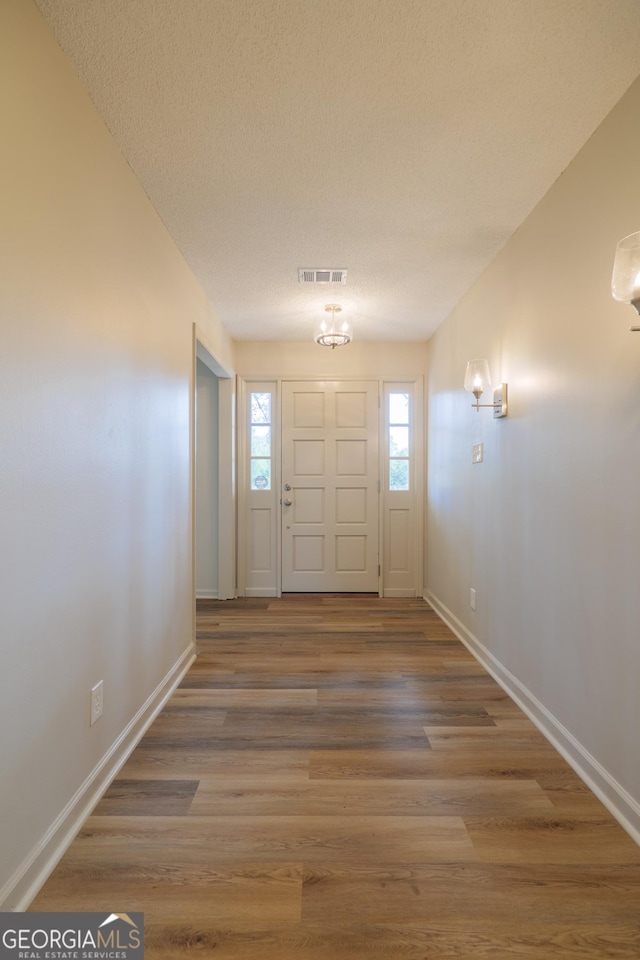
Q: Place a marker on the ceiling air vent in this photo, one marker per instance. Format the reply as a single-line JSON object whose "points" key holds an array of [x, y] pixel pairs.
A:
{"points": [[324, 275]]}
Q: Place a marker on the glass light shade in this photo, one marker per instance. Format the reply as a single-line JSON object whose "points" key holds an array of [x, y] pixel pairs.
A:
{"points": [[625, 282], [477, 378], [333, 331]]}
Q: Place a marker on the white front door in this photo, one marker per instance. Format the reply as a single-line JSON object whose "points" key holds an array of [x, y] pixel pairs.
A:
{"points": [[330, 487]]}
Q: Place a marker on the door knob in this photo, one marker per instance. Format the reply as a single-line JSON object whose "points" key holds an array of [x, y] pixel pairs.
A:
{"points": [[287, 502]]}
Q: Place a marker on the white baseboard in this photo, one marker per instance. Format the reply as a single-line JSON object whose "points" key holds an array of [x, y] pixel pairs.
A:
{"points": [[399, 592], [20, 889], [260, 592], [619, 802], [206, 594]]}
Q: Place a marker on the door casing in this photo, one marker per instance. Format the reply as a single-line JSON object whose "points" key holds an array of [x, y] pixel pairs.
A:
{"points": [[402, 579]]}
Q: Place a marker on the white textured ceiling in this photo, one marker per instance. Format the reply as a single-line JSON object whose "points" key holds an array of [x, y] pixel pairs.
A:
{"points": [[404, 140]]}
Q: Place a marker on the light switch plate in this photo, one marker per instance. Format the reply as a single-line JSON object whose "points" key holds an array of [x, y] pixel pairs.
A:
{"points": [[96, 702], [477, 453]]}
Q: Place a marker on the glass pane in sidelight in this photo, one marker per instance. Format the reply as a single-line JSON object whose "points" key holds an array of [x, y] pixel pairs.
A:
{"points": [[398, 408], [398, 475], [260, 441], [398, 441], [260, 408], [261, 474]]}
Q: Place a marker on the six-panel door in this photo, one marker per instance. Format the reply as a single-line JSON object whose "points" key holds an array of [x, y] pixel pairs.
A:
{"points": [[330, 487]]}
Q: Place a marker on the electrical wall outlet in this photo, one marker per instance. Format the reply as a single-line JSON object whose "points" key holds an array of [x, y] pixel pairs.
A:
{"points": [[96, 702], [472, 598]]}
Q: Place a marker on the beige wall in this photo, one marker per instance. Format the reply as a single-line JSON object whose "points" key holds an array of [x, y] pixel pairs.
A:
{"points": [[96, 310], [547, 529], [358, 360]]}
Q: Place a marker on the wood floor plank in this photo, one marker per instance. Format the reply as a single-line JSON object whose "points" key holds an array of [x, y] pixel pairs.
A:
{"points": [[337, 778], [269, 678], [200, 840], [554, 839], [576, 894], [383, 762], [236, 797], [252, 699], [186, 762], [455, 940], [497, 734], [185, 721], [170, 892], [371, 698], [290, 739], [491, 740], [147, 798]]}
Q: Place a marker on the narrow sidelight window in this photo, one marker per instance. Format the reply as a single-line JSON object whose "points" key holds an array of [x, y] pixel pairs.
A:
{"points": [[398, 441], [261, 441]]}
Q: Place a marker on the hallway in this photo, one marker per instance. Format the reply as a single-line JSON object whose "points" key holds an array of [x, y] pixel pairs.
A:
{"points": [[337, 777]]}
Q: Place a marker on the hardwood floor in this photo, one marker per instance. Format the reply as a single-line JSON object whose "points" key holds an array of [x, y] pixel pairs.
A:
{"points": [[338, 779]]}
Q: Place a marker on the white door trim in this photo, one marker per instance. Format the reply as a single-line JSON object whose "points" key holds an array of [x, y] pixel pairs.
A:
{"points": [[227, 534], [414, 581]]}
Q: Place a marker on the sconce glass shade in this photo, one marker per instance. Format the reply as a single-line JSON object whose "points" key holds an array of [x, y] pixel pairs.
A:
{"points": [[332, 331], [625, 282], [477, 378]]}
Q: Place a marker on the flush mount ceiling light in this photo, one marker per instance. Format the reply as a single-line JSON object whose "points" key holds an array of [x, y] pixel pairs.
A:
{"points": [[332, 332], [625, 282], [477, 379]]}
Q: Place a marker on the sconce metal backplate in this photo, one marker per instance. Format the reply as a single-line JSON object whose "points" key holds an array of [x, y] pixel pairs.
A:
{"points": [[500, 401]]}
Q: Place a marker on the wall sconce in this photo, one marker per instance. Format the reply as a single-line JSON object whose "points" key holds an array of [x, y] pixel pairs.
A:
{"points": [[625, 282], [477, 379]]}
